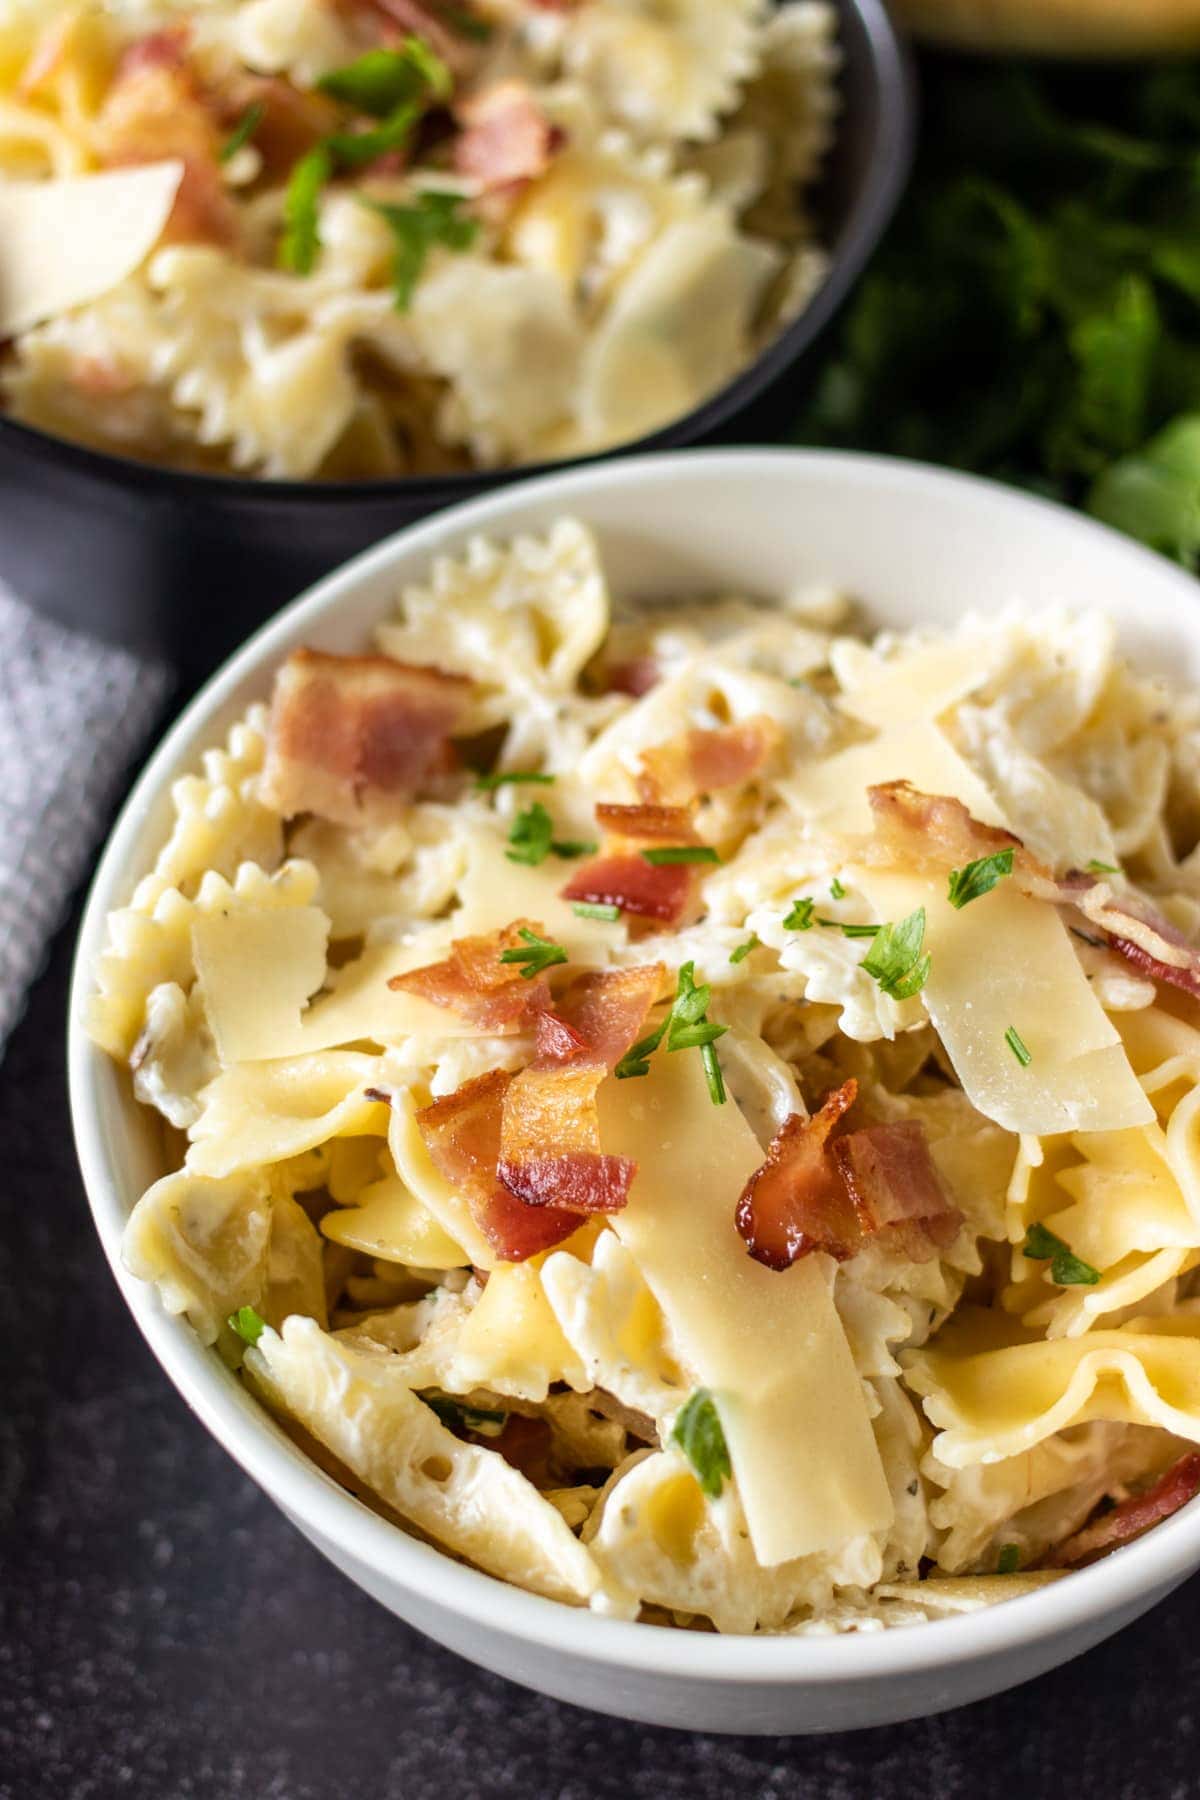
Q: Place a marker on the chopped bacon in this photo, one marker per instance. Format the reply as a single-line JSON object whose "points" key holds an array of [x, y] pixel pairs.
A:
{"points": [[936, 831], [816, 1191], [550, 1138], [796, 1202], [1108, 1531], [700, 762], [390, 20], [473, 982], [353, 737], [506, 138], [635, 677], [620, 875], [154, 111], [462, 1134]]}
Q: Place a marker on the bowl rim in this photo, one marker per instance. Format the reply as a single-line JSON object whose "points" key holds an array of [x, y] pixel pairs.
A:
{"points": [[316, 1503], [883, 184]]}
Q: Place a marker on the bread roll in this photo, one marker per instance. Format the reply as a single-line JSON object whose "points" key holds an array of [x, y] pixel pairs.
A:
{"points": [[1057, 27]]}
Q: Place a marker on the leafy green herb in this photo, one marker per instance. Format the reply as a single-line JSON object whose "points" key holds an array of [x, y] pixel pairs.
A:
{"points": [[531, 836], [698, 1432], [540, 954], [301, 239], [686, 1027], [572, 848], [836, 890], [801, 916], [1009, 1560], [743, 950], [487, 784], [636, 1060], [1096, 867], [1066, 1269], [1018, 1046], [248, 1324], [588, 909], [895, 959], [243, 131], [434, 218], [382, 80], [979, 878], [851, 931], [680, 853], [481, 1420]]}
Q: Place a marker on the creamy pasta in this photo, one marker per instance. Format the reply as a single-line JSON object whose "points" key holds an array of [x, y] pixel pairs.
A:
{"points": [[694, 1111], [365, 238]]}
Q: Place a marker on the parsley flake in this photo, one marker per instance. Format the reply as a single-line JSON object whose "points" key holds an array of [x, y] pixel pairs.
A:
{"points": [[540, 954], [434, 218], [531, 836], [680, 853], [743, 950], [481, 1420], [1066, 1269], [686, 1027], [248, 1324], [895, 960], [242, 132], [698, 1432], [593, 909], [850, 931], [487, 784], [978, 878], [1096, 867], [382, 80], [571, 848], [301, 234], [836, 890], [1009, 1560], [1018, 1046], [801, 916]]}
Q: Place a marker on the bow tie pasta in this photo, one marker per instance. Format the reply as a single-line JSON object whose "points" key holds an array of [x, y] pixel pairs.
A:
{"points": [[654, 1112]]}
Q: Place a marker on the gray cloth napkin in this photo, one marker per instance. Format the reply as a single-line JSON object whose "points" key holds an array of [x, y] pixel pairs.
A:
{"points": [[73, 713]]}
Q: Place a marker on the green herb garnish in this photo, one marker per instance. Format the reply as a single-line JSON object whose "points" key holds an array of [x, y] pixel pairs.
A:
{"points": [[850, 931], [686, 1027], [539, 954], [572, 848], [680, 853], [743, 950], [248, 1324], [301, 239], [836, 890], [592, 909], [978, 878], [242, 132], [895, 959], [480, 1420], [1009, 1560], [434, 218], [487, 784], [1066, 1269], [801, 916], [531, 836], [1095, 867], [697, 1431], [1018, 1046], [382, 80]]}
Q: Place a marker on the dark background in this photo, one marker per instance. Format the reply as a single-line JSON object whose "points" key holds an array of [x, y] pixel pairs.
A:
{"points": [[165, 1633]]}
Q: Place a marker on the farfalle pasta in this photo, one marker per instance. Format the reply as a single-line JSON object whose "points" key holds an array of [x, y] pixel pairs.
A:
{"points": [[347, 239], [692, 1110]]}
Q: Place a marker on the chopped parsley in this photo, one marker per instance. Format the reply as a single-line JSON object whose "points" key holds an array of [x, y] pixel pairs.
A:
{"points": [[243, 131], [531, 836], [1066, 1269], [593, 909], [801, 916], [743, 950], [248, 1324], [1095, 867], [1009, 1560], [434, 217], [382, 80], [978, 878], [481, 1420], [487, 784], [539, 954], [836, 890], [895, 959], [697, 1431], [571, 848], [850, 931], [301, 234], [686, 1027], [1018, 1046], [680, 853]]}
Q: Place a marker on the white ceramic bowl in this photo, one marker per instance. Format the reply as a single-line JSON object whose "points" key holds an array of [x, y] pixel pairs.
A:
{"points": [[916, 544]]}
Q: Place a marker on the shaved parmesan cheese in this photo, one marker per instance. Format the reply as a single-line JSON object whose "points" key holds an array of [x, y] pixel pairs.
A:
{"points": [[68, 241], [494, 891], [1004, 960], [769, 1345], [921, 684], [257, 968]]}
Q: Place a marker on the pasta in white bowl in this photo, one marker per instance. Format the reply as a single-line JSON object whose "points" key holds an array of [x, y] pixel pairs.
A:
{"points": [[765, 1206], [362, 239]]}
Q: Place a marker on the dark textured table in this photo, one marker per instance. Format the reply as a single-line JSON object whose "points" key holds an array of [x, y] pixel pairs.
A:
{"points": [[165, 1633]]}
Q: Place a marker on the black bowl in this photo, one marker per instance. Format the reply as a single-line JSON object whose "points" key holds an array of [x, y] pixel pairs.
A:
{"points": [[183, 566]]}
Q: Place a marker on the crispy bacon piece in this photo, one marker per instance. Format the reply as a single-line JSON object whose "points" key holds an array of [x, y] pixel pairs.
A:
{"points": [[797, 1202], [154, 111], [1122, 1524], [936, 831], [818, 1191], [352, 737], [506, 138], [473, 982], [462, 1134], [700, 762], [550, 1152], [620, 875], [635, 677]]}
